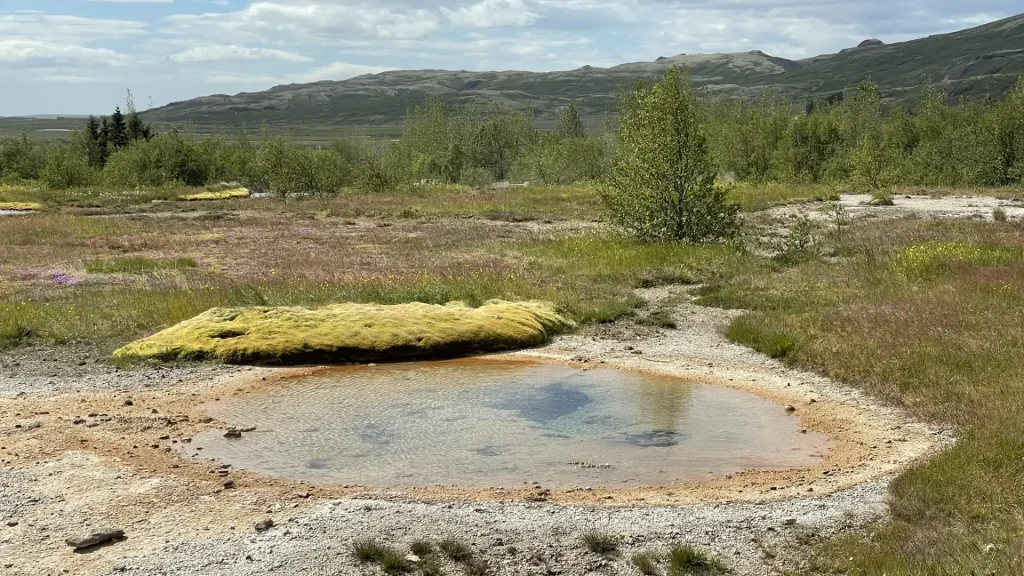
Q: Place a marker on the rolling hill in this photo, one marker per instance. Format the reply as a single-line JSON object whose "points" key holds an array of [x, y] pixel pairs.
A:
{"points": [[974, 63]]}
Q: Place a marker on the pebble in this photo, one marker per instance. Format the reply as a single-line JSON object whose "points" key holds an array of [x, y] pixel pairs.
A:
{"points": [[264, 525]]}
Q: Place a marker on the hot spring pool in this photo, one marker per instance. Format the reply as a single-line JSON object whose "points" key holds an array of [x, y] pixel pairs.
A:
{"points": [[485, 423]]}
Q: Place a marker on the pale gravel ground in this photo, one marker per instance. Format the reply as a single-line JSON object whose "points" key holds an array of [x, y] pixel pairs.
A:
{"points": [[921, 206]]}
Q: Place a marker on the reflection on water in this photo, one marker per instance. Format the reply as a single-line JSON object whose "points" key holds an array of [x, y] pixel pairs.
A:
{"points": [[482, 422]]}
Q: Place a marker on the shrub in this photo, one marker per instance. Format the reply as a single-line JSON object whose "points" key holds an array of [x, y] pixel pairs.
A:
{"points": [[599, 542], [65, 167], [662, 184], [476, 177], [20, 158], [999, 214], [553, 160]]}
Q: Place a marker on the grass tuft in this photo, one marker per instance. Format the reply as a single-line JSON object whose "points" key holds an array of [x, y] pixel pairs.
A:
{"points": [[455, 550], [393, 561], [599, 542], [430, 567], [646, 562], [685, 560], [368, 550], [422, 548]]}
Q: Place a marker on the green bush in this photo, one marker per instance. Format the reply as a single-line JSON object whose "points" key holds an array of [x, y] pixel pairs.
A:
{"points": [[662, 184], [20, 158], [66, 167]]}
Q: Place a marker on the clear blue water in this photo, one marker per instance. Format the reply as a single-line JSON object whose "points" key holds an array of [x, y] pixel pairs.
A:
{"points": [[484, 423]]}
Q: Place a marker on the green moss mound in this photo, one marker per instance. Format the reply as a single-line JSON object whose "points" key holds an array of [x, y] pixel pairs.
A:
{"points": [[350, 333]]}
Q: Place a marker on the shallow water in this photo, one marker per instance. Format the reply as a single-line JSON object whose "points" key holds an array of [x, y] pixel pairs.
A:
{"points": [[14, 212], [483, 423]]}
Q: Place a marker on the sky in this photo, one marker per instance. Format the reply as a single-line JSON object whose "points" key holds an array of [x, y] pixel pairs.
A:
{"points": [[80, 56]]}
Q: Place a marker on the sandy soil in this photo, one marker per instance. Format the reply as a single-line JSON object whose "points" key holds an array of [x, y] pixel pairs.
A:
{"points": [[921, 206], [83, 445]]}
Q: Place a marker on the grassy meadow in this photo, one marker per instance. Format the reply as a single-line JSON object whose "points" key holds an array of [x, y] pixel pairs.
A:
{"points": [[923, 314]]}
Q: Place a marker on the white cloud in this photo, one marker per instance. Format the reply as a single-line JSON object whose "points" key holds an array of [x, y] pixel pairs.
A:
{"points": [[220, 52], [491, 14], [68, 29], [339, 71], [36, 53], [306, 21], [131, 1]]}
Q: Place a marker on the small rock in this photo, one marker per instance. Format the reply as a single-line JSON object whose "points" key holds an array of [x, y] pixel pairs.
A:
{"points": [[264, 525], [790, 408], [789, 521], [95, 538], [229, 484], [412, 558], [233, 434], [12, 524]]}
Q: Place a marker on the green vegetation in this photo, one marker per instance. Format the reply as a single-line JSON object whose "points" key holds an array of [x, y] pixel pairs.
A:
{"points": [[646, 561], [137, 265], [390, 559], [422, 548], [599, 542], [926, 315], [455, 550], [853, 142], [685, 560], [351, 332], [663, 182]]}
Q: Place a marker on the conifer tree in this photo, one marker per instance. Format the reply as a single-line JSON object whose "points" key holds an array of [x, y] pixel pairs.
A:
{"points": [[136, 129], [118, 130], [103, 142], [92, 139]]}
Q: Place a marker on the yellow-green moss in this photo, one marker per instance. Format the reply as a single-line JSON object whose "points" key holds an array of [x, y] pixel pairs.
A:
{"points": [[351, 332], [217, 194], [20, 206]]}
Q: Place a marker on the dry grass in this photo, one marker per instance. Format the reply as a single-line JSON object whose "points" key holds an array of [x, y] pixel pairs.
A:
{"points": [[256, 258], [930, 316]]}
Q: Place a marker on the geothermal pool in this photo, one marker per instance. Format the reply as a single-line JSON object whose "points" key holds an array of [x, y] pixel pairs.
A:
{"points": [[488, 423]]}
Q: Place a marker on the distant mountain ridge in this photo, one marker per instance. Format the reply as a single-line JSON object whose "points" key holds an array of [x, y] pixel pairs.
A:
{"points": [[977, 62]]}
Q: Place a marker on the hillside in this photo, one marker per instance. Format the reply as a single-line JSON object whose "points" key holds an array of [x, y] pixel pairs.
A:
{"points": [[973, 63]]}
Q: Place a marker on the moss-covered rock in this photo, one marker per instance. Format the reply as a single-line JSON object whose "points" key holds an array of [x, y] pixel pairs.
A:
{"points": [[226, 194], [27, 206], [351, 332]]}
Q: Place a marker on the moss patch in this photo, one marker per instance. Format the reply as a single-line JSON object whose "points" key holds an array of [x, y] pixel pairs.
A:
{"points": [[350, 332], [217, 194], [20, 206]]}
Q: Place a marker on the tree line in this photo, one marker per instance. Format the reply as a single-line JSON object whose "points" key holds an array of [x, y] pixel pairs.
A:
{"points": [[852, 141]]}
